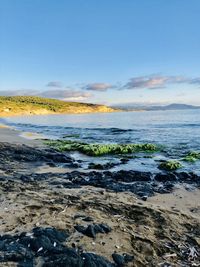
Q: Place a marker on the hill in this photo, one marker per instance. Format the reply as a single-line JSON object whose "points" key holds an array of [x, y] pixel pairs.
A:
{"points": [[138, 107], [174, 107], [29, 105]]}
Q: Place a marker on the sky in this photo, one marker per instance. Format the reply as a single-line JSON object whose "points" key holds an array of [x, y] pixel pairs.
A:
{"points": [[108, 51]]}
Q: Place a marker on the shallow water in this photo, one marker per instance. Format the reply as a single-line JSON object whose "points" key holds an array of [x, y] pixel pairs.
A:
{"points": [[178, 131]]}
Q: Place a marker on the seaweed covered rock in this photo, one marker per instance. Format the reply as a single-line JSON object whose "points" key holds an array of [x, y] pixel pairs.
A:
{"points": [[192, 156], [170, 165], [101, 149]]}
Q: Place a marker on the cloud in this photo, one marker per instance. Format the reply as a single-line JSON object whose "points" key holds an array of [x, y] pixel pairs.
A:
{"points": [[195, 81], [101, 87], [154, 81], [55, 84], [67, 95], [21, 92]]}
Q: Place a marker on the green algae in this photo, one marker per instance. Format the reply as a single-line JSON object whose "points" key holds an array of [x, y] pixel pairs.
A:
{"points": [[170, 165], [101, 149], [192, 156]]}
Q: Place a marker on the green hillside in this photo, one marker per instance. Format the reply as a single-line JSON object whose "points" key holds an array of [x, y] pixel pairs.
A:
{"points": [[29, 105]]}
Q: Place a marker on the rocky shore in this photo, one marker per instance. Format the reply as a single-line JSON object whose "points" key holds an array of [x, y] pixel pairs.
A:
{"points": [[55, 214]]}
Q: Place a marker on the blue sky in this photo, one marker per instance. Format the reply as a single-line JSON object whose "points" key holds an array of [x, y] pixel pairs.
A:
{"points": [[108, 51]]}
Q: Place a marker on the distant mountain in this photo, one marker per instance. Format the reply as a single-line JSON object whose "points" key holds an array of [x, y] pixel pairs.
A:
{"points": [[138, 107], [173, 107]]}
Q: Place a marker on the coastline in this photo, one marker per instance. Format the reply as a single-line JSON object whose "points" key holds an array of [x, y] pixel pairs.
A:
{"points": [[45, 112], [13, 136], [180, 197], [29, 105], [34, 194]]}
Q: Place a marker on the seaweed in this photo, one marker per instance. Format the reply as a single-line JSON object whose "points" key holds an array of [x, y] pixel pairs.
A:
{"points": [[192, 156], [101, 149], [170, 165]]}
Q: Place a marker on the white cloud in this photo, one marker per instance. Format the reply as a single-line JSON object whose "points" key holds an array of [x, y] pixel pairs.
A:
{"points": [[154, 81], [56, 84], [101, 87]]}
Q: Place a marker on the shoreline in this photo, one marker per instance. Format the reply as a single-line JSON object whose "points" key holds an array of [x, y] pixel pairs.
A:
{"points": [[37, 191], [6, 115], [12, 136]]}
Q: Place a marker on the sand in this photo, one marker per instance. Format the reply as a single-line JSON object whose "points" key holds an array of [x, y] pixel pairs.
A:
{"points": [[12, 136], [182, 200], [156, 231]]}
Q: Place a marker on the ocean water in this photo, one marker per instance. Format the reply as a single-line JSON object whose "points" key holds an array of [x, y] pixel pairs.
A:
{"points": [[178, 131]]}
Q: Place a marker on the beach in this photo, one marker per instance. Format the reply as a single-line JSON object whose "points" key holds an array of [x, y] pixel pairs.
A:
{"points": [[40, 188], [99, 133]]}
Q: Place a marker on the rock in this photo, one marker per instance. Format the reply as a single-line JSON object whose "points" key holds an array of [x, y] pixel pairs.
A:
{"points": [[80, 229], [162, 177], [14, 158], [69, 258], [121, 260], [47, 245], [93, 260], [105, 228], [124, 160], [93, 229], [118, 259], [98, 166], [132, 176], [144, 198], [128, 258], [90, 231], [88, 219]]}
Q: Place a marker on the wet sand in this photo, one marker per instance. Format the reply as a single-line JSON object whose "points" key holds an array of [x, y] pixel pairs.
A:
{"points": [[12, 136], [157, 232]]}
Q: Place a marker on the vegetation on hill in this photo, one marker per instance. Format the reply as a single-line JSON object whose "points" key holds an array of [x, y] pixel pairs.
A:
{"points": [[30, 105]]}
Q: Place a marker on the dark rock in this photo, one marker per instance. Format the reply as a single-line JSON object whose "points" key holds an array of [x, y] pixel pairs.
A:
{"points": [[14, 158], [105, 227], [80, 229], [106, 166], [132, 176], [54, 234], [69, 258], [93, 260], [47, 243], [90, 231], [51, 164], [124, 160], [128, 258], [121, 260], [118, 259], [88, 219], [162, 177], [188, 177], [144, 198], [93, 229]]}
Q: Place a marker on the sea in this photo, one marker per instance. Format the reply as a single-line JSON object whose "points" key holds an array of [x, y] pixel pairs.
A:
{"points": [[177, 131]]}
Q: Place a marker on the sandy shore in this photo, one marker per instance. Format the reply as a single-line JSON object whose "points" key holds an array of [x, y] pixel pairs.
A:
{"points": [[180, 200], [155, 232], [13, 136]]}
